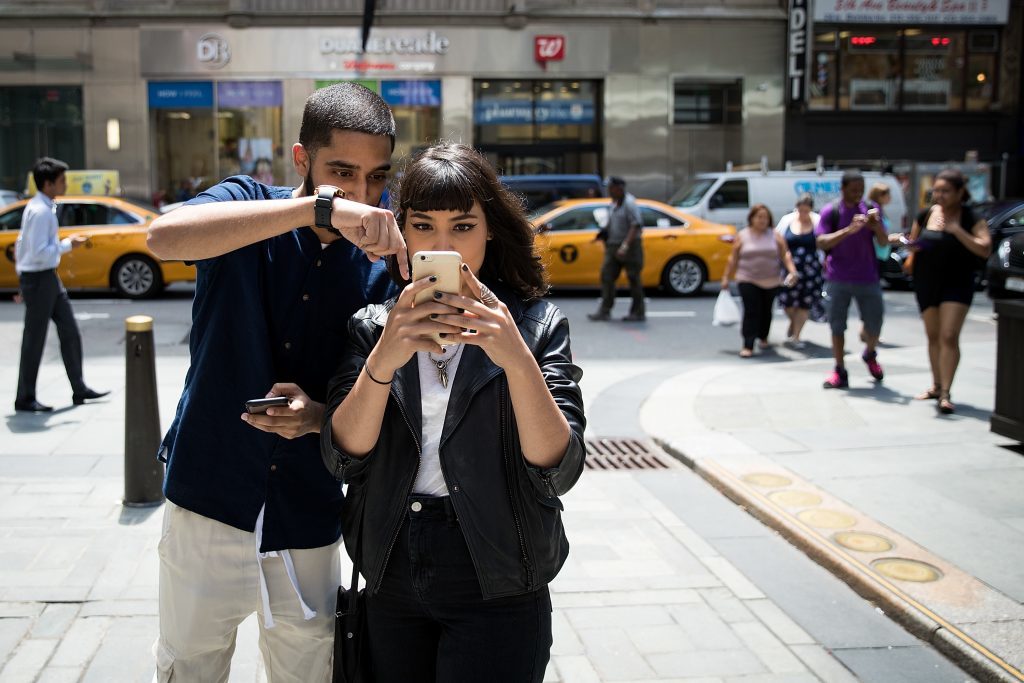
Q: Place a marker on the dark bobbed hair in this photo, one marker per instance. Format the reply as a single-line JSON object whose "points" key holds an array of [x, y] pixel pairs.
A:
{"points": [[955, 178], [757, 207], [805, 198], [851, 176], [450, 177], [47, 169], [344, 106]]}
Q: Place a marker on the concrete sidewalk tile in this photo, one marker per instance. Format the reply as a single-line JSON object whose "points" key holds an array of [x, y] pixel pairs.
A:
{"points": [[823, 664], [120, 608], [54, 621], [692, 542], [706, 663], [617, 617], [658, 639], [804, 677], [12, 630], [726, 604], [705, 629], [733, 579], [81, 642], [575, 669], [772, 616], [20, 609], [124, 653], [613, 655], [28, 660], [61, 674], [566, 642], [768, 648]]}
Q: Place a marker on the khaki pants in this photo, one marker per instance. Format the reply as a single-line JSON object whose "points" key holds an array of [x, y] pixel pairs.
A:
{"points": [[209, 584]]}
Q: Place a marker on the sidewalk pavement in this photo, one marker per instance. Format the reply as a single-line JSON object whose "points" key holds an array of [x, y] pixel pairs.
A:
{"points": [[920, 513], [653, 589]]}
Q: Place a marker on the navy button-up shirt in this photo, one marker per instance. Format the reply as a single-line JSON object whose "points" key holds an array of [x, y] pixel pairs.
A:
{"points": [[274, 311]]}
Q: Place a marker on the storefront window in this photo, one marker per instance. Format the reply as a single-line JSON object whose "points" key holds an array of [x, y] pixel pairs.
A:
{"points": [[933, 70], [249, 131], [182, 121], [912, 69], [539, 126], [38, 121]]}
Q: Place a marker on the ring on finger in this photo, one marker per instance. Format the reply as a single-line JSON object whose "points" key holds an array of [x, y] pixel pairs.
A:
{"points": [[487, 297]]}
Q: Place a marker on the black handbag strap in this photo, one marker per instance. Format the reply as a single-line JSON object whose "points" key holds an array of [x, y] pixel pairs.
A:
{"points": [[353, 591]]}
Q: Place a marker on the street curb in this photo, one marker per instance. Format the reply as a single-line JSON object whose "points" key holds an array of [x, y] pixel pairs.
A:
{"points": [[967, 654]]}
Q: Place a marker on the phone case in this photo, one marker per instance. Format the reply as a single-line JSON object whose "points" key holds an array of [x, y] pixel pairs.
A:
{"points": [[260, 405], [445, 265]]}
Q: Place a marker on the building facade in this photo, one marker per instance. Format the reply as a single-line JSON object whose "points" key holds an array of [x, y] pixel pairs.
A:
{"points": [[178, 97], [917, 80]]}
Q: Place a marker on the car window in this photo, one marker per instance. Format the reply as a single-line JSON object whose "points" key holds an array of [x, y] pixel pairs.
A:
{"points": [[12, 219], [653, 218], [75, 214], [733, 194], [119, 217], [582, 218], [1014, 224]]}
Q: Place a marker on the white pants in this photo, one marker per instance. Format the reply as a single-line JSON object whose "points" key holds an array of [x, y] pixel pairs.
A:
{"points": [[209, 584]]}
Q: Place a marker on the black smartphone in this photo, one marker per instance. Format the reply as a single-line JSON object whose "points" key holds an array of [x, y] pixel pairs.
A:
{"points": [[259, 405]]}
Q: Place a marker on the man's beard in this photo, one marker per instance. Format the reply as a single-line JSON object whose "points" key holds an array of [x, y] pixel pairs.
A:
{"points": [[308, 188]]}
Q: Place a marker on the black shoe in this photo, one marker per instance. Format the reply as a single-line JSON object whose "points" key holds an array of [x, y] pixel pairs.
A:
{"points": [[87, 395], [32, 406], [599, 316], [634, 318]]}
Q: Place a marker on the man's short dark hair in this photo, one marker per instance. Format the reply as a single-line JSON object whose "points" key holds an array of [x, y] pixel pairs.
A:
{"points": [[617, 181], [852, 176], [47, 169], [344, 106]]}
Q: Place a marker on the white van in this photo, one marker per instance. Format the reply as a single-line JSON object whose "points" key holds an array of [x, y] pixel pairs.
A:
{"points": [[727, 197]]}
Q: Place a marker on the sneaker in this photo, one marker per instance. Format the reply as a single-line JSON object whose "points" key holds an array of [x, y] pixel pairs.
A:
{"points": [[838, 379], [871, 360]]}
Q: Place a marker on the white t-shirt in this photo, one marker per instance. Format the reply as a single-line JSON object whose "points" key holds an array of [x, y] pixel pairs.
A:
{"points": [[434, 407]]}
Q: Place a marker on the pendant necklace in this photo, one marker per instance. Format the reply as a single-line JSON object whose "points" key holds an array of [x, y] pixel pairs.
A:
{"points": [[442, 365]]}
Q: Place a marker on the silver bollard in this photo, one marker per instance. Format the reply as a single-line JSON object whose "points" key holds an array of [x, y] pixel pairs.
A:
{"points": [[143, 473]]}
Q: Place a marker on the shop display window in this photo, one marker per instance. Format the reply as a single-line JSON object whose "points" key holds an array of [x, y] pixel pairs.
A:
{"points": [[707, 103], [249, 137], [912, 69], [39, 121]]}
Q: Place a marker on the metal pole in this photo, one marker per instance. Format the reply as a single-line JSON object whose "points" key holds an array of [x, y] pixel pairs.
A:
{"points": [[143, 473], [1002, 175]]}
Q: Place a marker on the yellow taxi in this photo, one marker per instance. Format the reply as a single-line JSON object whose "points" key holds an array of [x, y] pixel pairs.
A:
{"points": [[115, 257], [681, 252]]}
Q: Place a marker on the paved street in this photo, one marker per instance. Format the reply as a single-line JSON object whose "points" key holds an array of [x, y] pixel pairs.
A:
{"points": [[669, 578]]}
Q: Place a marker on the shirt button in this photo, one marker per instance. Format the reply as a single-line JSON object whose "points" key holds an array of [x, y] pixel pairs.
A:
{"points": [[455, 489], [287, 345], [416, 506], [305, 297], [273, 468]]}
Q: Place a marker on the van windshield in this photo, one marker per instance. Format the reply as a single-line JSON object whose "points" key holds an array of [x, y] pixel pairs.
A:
{"points": [[691, 195]]}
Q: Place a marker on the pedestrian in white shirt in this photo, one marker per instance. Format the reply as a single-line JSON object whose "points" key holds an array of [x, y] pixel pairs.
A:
{"points": [[37, 255]]}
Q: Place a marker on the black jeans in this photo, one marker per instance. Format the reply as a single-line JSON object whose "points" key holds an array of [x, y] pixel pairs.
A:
{"points": [[757, 312], [429, 622], [46, 300]]}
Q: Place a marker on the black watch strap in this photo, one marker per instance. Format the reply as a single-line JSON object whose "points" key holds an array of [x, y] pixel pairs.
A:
{"points": [[325, 195]]}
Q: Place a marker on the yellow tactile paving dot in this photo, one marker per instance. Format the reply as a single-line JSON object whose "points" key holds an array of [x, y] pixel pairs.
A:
{"points": [[907, 570], [827, 519], [795, 499], [862, 542], [771, 481]]}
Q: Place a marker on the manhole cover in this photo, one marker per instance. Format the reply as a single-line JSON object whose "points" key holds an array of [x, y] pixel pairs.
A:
{"points": [[627, 454], [863, 542], [907, 570], [827, 519]]}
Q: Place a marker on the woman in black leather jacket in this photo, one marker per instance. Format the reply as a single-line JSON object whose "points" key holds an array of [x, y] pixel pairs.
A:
{"points": [[455, 456]]}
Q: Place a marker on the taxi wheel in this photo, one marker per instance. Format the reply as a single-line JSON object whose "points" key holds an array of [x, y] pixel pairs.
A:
{"points": [[684, 276], [136, 277]]}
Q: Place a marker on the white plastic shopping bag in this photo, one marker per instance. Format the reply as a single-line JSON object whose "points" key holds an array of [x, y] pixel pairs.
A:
{"points": [[726, 311]]}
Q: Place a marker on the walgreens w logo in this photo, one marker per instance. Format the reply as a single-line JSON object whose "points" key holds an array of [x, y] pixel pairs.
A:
{"points": [[549, 48]]}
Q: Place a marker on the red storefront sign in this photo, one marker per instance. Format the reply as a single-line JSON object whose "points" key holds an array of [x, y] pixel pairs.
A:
{"points": [[548, 48]]}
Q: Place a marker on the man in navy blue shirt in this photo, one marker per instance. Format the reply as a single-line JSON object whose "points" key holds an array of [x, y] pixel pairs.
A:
{"points": [[253, 517]]}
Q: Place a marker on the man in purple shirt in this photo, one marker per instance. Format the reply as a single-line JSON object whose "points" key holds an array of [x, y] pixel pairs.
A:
{"points": [[847, 232]]}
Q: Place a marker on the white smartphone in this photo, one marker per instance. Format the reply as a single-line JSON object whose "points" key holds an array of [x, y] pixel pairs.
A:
{"points": [[445, 266]]}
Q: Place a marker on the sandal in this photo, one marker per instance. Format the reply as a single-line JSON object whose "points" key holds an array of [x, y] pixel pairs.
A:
{"points": [[746, 353], [945, 406], [929, 395]]}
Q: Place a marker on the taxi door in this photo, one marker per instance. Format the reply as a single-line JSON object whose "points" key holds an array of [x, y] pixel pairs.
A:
{"points": [[567, 245], [89, 265], [10, 228]]}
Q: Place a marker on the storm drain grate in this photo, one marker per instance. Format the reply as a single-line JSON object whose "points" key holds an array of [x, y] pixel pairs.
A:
{"points": [[627, 454]]}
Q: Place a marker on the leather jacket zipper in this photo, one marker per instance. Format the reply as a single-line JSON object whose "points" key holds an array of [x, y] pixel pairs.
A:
{"points": [[510, 474], [398, 527]]}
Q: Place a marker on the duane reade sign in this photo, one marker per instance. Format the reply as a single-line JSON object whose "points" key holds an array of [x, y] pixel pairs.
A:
{"points": [[426, 44], [912, 12]]}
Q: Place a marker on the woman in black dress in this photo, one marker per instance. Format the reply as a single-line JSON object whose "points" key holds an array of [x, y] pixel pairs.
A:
{"points": [[802, 300], [948, 240]]}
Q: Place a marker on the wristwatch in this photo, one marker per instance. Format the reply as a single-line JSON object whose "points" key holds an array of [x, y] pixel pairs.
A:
{"points": [[325, 195]]}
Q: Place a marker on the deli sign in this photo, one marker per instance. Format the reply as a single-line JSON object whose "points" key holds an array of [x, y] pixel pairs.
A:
{"points": [[796, 67], [548, 48]]}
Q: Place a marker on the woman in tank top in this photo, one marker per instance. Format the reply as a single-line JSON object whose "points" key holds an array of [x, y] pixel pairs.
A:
{"points": [[758, 255], [804, 299]]}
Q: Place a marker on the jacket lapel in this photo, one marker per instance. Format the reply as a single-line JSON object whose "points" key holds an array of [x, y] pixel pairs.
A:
{"points": [[405, 388], [474, 371]]}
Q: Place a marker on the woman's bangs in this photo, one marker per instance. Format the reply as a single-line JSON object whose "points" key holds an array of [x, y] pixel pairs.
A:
{"points": [[440, 188]]}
